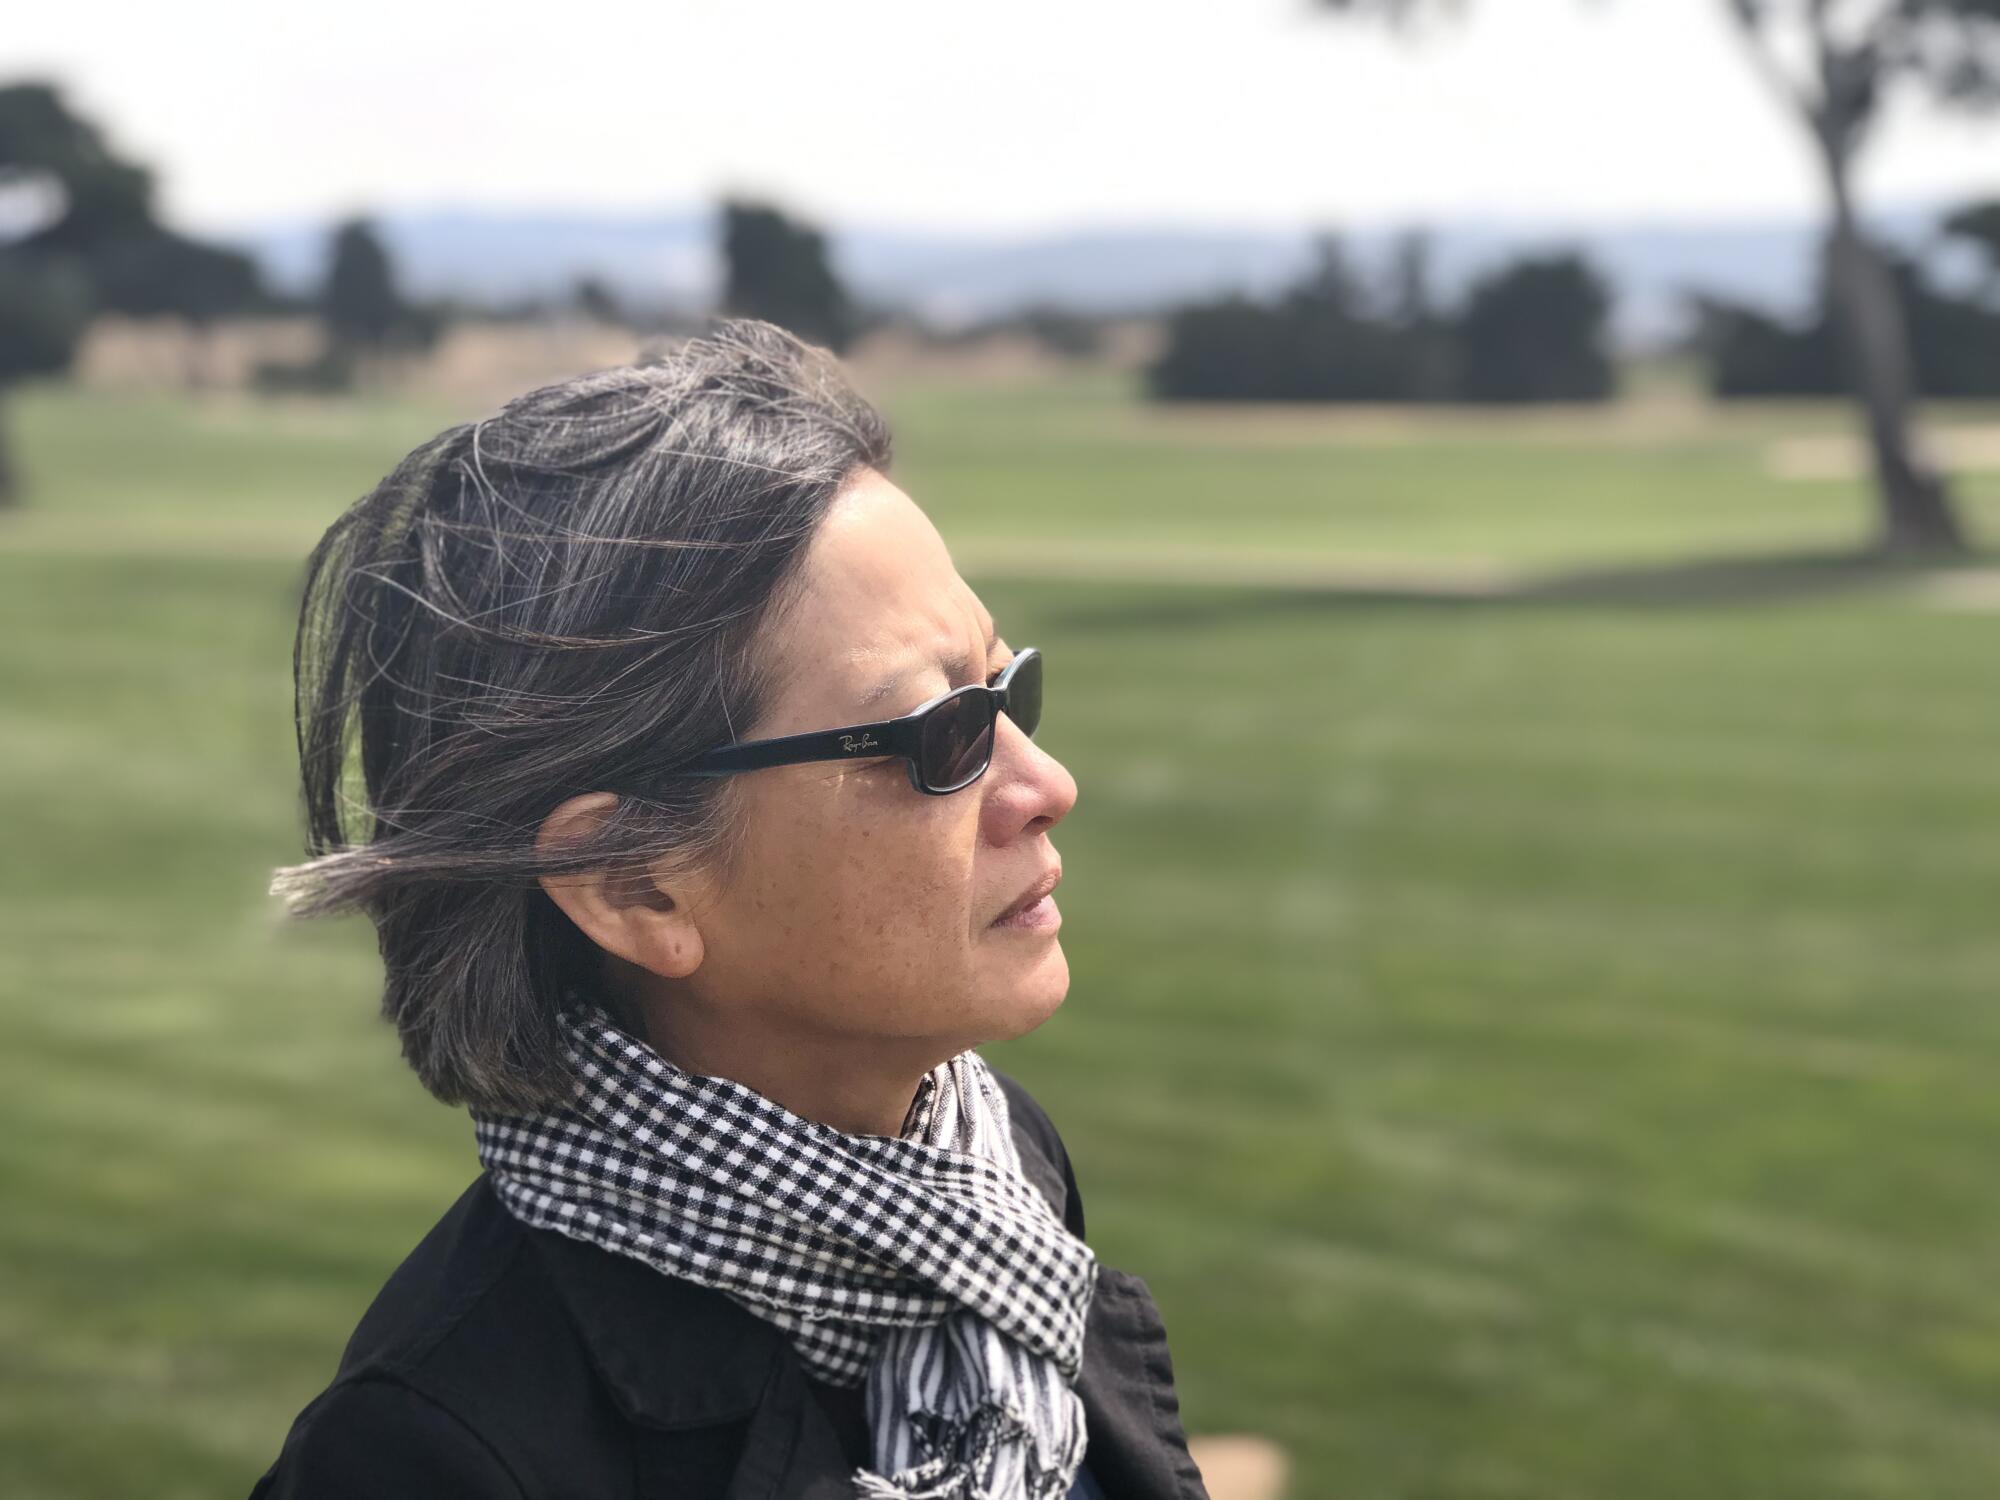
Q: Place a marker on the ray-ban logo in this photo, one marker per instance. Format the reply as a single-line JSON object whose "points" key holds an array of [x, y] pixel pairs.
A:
{"points": [[850, 744]]}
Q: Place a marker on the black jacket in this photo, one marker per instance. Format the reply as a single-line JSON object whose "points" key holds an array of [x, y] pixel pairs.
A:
{"points": [[503, 1362]]}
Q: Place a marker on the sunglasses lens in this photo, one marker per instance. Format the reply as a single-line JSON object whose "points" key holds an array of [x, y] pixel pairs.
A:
{"points": [[958, 741], [1024, 695]]}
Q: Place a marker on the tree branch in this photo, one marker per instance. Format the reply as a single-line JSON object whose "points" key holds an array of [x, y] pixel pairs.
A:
{"points": [[1750, 18]]}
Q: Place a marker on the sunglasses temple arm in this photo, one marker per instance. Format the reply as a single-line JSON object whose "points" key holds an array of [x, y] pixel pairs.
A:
{"points": [[856, 742]]}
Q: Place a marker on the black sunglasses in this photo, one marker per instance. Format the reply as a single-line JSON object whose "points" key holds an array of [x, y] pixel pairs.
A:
{"points": [[948, 742]]}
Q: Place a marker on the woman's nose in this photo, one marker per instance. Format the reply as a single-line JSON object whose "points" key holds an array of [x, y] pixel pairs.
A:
{"points": [[1033, 788]]}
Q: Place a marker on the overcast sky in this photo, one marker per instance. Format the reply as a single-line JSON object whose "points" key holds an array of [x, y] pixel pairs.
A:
{"points": [[1026, 115]]}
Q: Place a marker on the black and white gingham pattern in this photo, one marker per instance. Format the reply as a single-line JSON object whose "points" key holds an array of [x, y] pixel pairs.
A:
{"points": [[925, 1264]]}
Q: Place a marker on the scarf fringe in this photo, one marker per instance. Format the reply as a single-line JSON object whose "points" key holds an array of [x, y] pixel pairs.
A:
{"points": [[955, 1474]]}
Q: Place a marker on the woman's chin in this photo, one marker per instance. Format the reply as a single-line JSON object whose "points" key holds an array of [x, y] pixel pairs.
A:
{"points": [[1033, 996]]}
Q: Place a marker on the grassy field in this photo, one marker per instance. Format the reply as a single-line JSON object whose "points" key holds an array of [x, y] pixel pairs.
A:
{"points": [[1537, 1045]]}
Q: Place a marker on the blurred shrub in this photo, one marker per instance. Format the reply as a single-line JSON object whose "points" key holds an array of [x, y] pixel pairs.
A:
{"points": [[1954, 336], [1073, 335], [1532, 331], [329, 373]]}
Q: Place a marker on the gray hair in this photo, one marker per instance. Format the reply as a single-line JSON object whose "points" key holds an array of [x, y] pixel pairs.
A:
{"points": [[567, 596]]}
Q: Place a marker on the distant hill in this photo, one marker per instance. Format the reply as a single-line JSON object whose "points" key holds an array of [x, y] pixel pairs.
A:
{"points": [[670, 259]]}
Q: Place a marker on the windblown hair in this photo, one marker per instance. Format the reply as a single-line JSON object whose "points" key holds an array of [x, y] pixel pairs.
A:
{"points": [[567, 596]]}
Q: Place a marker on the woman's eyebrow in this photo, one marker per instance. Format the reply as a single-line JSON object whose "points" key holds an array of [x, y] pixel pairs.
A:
{"points": [[955, 667]]}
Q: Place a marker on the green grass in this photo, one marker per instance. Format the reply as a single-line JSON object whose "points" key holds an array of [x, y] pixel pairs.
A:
{"points": [[1532, 1047], [1082, 461]]}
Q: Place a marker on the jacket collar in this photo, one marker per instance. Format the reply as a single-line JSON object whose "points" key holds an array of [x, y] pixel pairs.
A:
{"points": [[673, 1352]]}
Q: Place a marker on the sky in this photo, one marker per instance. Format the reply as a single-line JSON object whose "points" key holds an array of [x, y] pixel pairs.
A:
{"points": [[929, 114]]}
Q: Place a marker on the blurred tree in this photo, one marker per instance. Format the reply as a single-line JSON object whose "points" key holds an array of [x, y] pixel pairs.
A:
{"points": [[165, 274], [1978, 225], [1320, 340], [360, 303], [1535, 331], [1333, 346], [1060, 330], [102, 198], [592, 296], [1420, 322], [1226, 350], [1955, 339], [366, 315], [135, 265], [1748, 352], [45, 293], [1531, 331], [1951, 49], [1831, 62], [44, 305], [1411, 299], [96, 247], [777, 269]]}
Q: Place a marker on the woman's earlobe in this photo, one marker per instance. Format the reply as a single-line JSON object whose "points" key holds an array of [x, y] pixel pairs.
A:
{"points": [[631, 918], [678, 956]]}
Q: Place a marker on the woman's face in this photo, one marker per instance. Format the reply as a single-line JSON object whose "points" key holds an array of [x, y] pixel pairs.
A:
{"points": [[860, 907]]}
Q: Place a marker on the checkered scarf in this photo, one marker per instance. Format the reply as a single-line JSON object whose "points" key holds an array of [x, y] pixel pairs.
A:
{"points": [[925, 1264]]}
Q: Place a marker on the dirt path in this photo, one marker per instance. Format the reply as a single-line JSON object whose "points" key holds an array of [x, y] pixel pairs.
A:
{"points": [[1271, 567], [1843, 456], [1241, 1467], [32, 533]]}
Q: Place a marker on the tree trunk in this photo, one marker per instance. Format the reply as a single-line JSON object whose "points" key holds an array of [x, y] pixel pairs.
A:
{"points": [[1916, 514], [196, 355], [10, 496]]}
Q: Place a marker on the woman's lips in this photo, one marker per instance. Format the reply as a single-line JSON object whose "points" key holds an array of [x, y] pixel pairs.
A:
{"points": [[1040, 917]]}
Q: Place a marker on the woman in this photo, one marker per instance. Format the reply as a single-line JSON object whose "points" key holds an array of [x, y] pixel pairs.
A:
{"points": [[705, 837]]}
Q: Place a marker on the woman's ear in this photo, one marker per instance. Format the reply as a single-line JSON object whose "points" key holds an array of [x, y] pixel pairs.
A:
{"points": [[638, 915]]}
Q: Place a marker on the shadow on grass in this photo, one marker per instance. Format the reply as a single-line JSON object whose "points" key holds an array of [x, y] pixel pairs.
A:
{"points": [[1760, 579]]}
